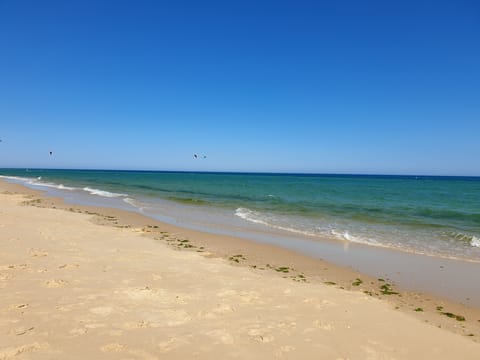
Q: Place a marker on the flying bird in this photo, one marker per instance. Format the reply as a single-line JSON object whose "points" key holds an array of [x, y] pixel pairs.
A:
{"points": [[51, 152]]}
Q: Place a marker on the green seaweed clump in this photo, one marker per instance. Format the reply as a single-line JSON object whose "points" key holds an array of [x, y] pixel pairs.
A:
{"points": [[299, 278], [386, 289], [357, 282], [237, 258], [453, 316]]}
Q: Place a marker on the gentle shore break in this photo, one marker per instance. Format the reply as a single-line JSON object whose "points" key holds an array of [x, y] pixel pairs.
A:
{"points": [[73, 289]]}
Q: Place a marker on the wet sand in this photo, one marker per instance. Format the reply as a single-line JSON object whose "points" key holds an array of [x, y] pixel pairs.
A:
{"points": [[452, 279], [137, 288]]}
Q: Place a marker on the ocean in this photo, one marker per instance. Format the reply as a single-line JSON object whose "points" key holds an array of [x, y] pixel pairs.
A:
{"points": [[429, 215]]}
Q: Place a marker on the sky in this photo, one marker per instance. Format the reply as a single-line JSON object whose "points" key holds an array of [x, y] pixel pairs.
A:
{"points": [[377, 87]]}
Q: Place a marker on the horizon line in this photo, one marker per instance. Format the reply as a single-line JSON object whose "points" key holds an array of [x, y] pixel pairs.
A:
{"points": [[243, 172]]}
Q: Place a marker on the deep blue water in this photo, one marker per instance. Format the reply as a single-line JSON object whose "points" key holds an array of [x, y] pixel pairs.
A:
{"points": [[422, 214]]}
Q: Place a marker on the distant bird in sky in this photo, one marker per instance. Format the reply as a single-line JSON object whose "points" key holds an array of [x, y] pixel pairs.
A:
{"points": [[196, 156], [51, 152]]}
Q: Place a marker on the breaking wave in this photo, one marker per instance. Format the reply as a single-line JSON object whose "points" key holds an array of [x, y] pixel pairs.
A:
{"points": [[345, 235], [55, 186], [256, 217], [472, 240], [135, 203], [37, 182], [103, 193], [475, 241]]}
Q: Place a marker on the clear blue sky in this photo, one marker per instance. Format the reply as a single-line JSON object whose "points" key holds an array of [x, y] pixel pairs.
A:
{"points": [[301, 86]]}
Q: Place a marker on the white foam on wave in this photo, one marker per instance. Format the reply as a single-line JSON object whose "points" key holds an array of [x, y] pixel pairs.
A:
{"points": [[475, 241], [136, 204], [259, 218], [103, 193], [249, 215], [345, 235], [256, 217], [51, 185], [472, 240], [37, 182], [18, 178]]}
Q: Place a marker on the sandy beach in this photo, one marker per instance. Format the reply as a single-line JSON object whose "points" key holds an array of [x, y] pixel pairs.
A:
{"points": [[72, 288]]}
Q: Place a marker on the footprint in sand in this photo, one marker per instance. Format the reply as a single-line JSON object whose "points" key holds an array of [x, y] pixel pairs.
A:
{"points": [[38, 253], [261, 336], [68, 266], [220, 336], [227, 293], [8, 353], [220, 310], [95, 325], [176, 317], [223, 309], [18, 306], [323, 325], [114, 347], [78, 331], [102, 310], [143, 293], [157, 295], [250, 297], [284, 349], [139, 324], [55, 283], [245, 296], [14, 267], [172, 344], [120, 348], [22, 330], [4, 277]]}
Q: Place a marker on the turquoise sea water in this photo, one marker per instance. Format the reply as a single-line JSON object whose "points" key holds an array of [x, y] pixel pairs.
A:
{"points": [[438, 216]]}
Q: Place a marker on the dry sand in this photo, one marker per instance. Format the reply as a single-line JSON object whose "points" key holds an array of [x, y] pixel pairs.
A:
{"points": [[72, 289]]}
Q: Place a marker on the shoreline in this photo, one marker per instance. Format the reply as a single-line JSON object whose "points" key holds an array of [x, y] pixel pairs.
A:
{"points": [[454, 316], [100, 283], [415, 225], [440, 276]]}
